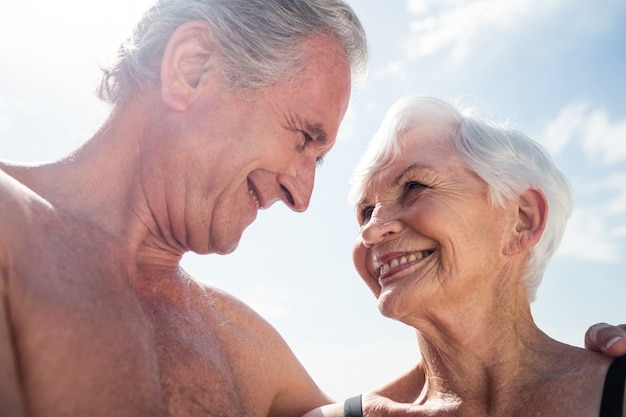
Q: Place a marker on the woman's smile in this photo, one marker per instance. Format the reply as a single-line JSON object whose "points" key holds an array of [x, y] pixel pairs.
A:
{"points": [[387, 268]]}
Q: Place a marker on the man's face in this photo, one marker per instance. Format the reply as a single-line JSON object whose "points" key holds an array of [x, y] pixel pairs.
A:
{"points": [[243, 151]]}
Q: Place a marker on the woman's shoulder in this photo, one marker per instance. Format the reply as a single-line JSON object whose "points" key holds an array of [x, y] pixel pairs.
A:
{"points": [[407, 387], [571, 385]]}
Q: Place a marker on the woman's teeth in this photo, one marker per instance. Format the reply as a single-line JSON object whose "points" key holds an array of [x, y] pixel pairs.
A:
{"points": [[417, 256]]}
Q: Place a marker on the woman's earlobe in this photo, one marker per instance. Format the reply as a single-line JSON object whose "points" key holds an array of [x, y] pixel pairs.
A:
{"points": [[186, 60], [530, 222]]}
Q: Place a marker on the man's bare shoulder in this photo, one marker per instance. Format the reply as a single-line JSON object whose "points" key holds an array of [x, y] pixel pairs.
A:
{"points": [[16, 205], [239, 314], [263, 355], [15, 197], [20, 208]]}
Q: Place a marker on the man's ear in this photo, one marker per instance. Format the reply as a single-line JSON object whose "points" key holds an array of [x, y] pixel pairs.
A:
{"points": [[186, 59], [529, 221]]}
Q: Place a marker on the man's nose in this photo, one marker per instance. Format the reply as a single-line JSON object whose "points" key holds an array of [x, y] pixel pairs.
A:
{"points": [[297, 189]]}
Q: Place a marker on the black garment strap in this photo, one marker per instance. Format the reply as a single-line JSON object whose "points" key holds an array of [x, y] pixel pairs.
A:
{"points": [[613, 394], [352, 407]]}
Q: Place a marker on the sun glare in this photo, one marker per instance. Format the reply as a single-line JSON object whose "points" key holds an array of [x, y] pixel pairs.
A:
{"points": [[63, 42]]}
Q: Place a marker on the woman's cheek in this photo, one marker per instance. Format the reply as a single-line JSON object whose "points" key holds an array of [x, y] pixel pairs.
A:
{"points": [[360, 260]]}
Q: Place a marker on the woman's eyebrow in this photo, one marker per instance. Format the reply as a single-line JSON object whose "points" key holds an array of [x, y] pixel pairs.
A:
{"points": [[407, 171]]}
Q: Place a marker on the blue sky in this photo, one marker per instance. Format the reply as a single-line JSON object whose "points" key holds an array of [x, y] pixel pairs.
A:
{"points": [[555, 68]]}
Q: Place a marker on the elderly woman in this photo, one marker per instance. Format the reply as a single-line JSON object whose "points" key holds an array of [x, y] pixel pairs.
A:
{"points": [[458, 218]]}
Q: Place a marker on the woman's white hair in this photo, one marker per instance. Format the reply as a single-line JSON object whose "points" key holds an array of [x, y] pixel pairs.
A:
{"points": [[260, 41], [505, 158]]}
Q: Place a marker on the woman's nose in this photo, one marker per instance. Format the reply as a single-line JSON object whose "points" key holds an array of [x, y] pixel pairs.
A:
{"points": [[378, 229]]}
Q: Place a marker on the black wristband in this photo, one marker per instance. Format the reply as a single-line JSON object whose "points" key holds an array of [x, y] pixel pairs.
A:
{"points": [[352, 407]]}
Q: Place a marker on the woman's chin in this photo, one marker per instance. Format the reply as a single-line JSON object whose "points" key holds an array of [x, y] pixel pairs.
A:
{"points": [[390, 304]]}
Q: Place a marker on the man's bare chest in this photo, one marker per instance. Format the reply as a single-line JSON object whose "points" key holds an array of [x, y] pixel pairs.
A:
{"points": [[119, 360], [89, 348]]}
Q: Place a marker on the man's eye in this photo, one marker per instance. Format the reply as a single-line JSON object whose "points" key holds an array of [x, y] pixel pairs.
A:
{"points": [[319, 161]]}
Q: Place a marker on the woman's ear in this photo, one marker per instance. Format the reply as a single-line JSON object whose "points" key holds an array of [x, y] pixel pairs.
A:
{"points": [[186, 59], [529, 222]]}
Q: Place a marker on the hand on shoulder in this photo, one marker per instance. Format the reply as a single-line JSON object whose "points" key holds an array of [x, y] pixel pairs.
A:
{"points": [[606, 338]]}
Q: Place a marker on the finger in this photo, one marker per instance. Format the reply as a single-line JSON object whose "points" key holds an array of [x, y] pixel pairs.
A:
{"points": [[606, 338], [616, 346], [591, 336]]}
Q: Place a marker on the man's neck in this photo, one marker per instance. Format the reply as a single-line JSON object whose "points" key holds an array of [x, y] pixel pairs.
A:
{"points": [[100, 184]]}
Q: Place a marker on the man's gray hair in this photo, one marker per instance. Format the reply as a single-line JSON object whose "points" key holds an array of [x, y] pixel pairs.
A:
{"points": [[260, 41]]}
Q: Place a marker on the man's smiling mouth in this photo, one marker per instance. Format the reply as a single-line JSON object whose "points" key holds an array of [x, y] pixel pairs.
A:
{"points": [[254, 196]]}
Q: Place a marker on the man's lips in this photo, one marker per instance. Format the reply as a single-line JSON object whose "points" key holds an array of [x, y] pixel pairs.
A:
{"points": [[254, 195], [255, 198], [388, 265]]}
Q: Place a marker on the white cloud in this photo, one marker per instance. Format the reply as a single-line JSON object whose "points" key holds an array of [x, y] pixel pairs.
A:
{"points": [[395, 68], [455, 24], [603, 140], [562, 130], [616, 184], [419, 6], [596, 230], [589, 237]]}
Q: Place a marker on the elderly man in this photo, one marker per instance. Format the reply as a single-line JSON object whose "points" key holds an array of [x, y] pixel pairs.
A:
{"points": [[220, 108]]}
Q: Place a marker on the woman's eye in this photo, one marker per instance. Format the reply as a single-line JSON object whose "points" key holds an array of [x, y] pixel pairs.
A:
{"points": [[414, 186], [366, 214]]}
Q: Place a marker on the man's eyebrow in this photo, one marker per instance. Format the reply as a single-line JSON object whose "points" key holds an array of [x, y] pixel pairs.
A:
{"points": [[318, 131]]}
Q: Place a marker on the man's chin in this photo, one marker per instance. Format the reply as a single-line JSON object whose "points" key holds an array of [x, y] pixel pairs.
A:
{"points": [[229, 250], [219, 246], [226, 246], [224, 239]]}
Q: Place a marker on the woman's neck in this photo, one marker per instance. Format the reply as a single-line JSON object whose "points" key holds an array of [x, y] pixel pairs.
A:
{"points": [[492, 359]]}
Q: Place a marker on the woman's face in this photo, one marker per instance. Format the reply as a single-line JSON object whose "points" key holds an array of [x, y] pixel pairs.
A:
{"points": [[429, 236]]}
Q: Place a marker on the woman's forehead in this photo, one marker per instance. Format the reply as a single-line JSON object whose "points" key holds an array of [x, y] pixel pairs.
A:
{"points": [[417, 160]]}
